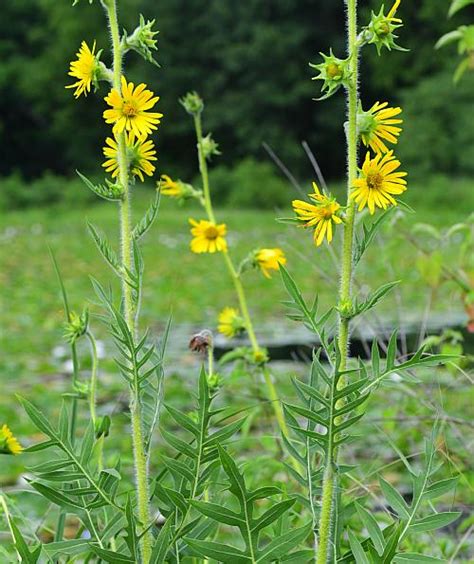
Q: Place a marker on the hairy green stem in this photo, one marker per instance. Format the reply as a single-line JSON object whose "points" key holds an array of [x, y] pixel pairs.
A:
{"points": [[93, 381], [272, 393], [330, 484], [140, 459]]}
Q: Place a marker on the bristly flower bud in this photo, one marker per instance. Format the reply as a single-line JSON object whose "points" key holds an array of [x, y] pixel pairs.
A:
{"points": [[192, 103], [334, 72], [380, 31], [142, 40], [77, 326], [209, 147]]}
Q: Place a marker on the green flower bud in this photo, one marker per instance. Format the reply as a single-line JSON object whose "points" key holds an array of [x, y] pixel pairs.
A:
{"points": [[213, 381], [192, 103], [333, 72], [142, 40], [345, 309], [380, 31], [209, 147], [77, 326]]}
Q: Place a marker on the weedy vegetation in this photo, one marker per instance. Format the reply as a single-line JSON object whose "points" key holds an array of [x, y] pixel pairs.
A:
{"points": [[189, 491]]}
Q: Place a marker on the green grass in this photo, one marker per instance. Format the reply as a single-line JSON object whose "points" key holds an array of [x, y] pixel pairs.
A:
{"points": [[192, 288]]}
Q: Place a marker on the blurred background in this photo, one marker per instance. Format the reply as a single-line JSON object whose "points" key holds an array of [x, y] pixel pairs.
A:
{"points": [[249, 60]]}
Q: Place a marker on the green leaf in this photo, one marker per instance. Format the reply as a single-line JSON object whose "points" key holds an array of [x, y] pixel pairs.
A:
{"points": [[448, 38], [55, 496], [112, 556], [218, 513], [394, 499], [440, 488], [433, 522], [374, 298], [67, 548], [263, 493], [414, 558], [109, 255], [357, 550], [148, 219], [457, 5], [162, 543], [272, 514], [110, 192], [27, 557], [237, 484], [38, 418], [282, 545], [221, 552], [368, 235], [372, 527]]}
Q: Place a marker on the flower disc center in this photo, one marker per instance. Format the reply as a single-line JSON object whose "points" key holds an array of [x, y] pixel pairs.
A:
{"points": [[211, 232], [374, 180], [129, 109]]}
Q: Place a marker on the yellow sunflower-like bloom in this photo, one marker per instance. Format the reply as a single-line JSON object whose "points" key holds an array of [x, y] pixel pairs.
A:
{"points": [[208, 237], [379, 124], [84, 69], [269, 259], [170, 187], [139, 157], [230, 322], [130, 110], [378, 183], [8, 443], [320, 215]]}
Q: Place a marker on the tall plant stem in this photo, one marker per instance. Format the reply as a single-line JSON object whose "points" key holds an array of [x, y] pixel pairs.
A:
{"points": [[330, 483], [140, 459], [272, 393]]}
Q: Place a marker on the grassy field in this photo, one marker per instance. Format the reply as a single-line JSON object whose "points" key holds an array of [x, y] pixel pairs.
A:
{"points": [[194, 289]]}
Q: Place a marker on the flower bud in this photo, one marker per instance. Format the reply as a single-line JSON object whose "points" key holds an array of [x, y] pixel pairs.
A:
{"points": [[142, 40], [260, 357], [380, 31], [209, 147], [77, 326], [334, 72], [192, 103]]}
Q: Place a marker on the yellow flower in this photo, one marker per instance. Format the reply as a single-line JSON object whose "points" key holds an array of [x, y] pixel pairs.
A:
{"points": [[270, 259], [378, 124], [8, 443], [230, 322], [130, 110], [84, 68], [378, 182], [208, 236], [170, 187], [320, 215], [139, 157]]}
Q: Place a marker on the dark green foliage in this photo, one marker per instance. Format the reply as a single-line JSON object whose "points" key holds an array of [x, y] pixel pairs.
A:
{"points": [[256, 79], [191, 470], [383, 546], [245, 520]]}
